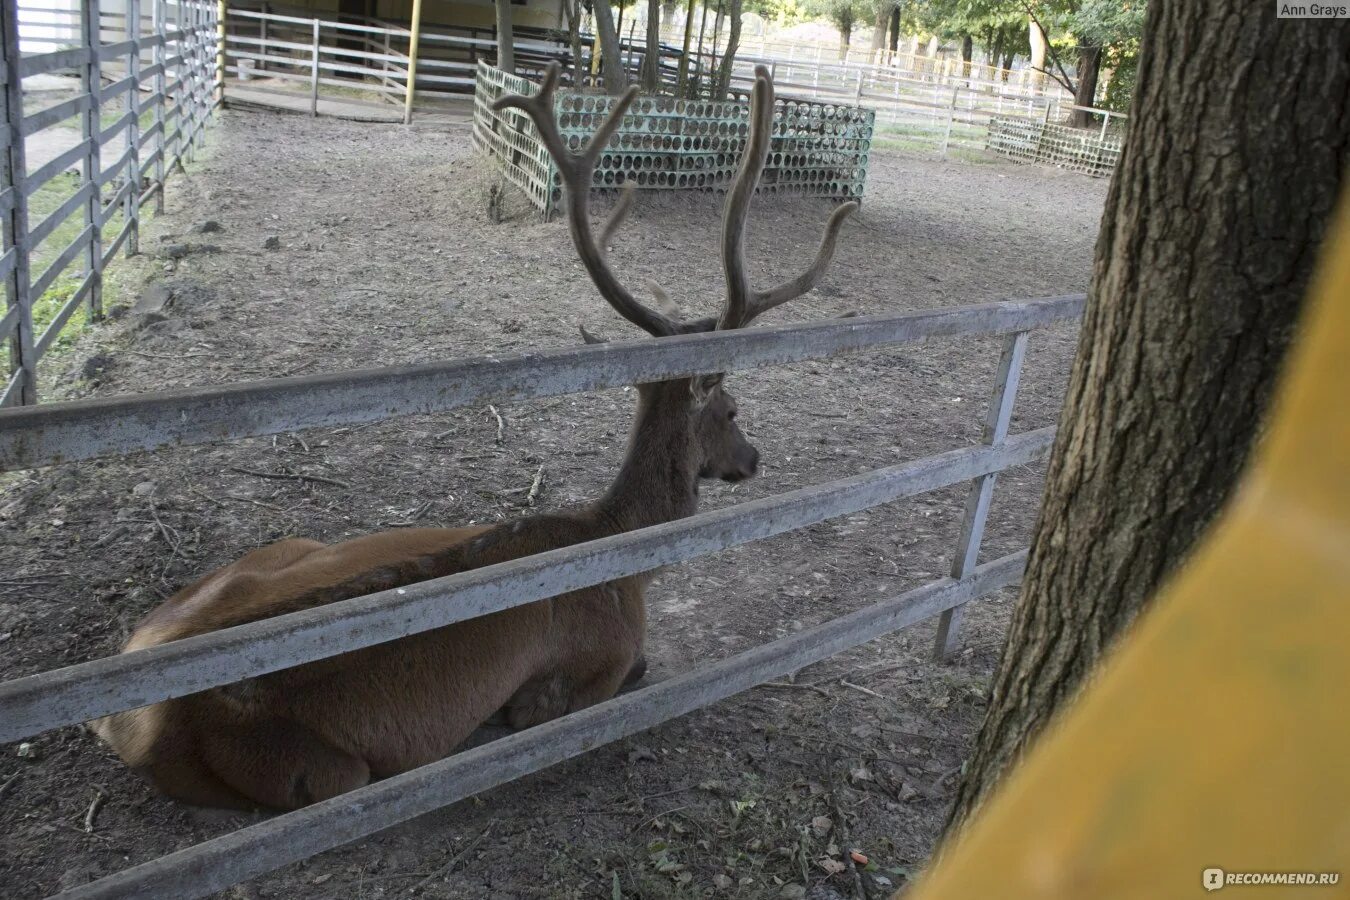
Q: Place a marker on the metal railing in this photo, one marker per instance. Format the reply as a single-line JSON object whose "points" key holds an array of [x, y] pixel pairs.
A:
{"points": [[66, 432], [169, 57]]}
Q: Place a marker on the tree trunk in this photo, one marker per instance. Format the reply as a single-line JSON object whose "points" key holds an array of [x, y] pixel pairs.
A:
{"points": [[506, 40], [967, 51], [573, 10], [996, 51], [1234, 159], [1085, 94], [651, 63], [1007, 63], [879, 31], [1039, 45], [616, 81], [895, 30], [729, 58]]}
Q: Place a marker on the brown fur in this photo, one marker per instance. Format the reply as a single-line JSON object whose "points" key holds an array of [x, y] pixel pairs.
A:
{"points": [[301, 735]]}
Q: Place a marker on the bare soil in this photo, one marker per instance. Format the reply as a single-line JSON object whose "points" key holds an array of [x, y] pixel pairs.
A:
{"points": [[387, 255]]}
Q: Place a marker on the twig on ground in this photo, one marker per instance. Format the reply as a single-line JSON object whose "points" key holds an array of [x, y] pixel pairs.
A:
{"points": [[533, 495], [9, 783], [236, 498], [450, 866], [501, 424], [844, 682], [94, 807], [290, 476], [794, 687]]}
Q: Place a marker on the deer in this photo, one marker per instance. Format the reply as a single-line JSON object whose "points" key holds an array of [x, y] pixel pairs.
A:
{"points": [[290, 738]]}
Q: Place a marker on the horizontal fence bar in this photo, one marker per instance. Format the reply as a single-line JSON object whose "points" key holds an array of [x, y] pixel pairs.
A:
{"points": [[67, 208], [10, 320], [40, 63], [53, 330], [63, 432], [58, 113], [54, 167], [58, 265], [87, 690], [216, 864]]}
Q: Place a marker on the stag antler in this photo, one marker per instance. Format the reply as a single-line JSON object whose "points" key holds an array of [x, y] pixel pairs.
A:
{"points": [[742, 304]]}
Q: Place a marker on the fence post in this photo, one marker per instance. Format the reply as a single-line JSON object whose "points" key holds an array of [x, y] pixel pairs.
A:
{"points": [[132, 204], [158, 55], [22, 352], [857, 96], [413, 40], [220, 51], [951, 114], [996, 421], [261, 65], [91, 82], [314, 72]]}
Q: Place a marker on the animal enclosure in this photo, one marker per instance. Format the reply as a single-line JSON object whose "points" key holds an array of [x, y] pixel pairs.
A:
{"points": [[1025, 140], [818, 149], [163, 50], [434, 279]]}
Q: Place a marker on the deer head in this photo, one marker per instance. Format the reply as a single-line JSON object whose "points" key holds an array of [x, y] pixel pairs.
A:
{"points": [[700, 405]]}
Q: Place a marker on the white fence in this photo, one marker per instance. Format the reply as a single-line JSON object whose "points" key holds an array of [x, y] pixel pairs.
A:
{"points": [[148, 119], [69, 432]]}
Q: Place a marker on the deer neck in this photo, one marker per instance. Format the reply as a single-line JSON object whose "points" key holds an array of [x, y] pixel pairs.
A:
{"points": [[658, 481]]}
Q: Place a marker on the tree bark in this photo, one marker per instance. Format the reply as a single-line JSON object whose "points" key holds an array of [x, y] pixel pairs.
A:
{"points": [[506, 41], [967, 51], [1085, 93], [883, 18], [651, 63], [1238, 143], [616, 80], [729, 57], [895, 29], [1039, 45]]}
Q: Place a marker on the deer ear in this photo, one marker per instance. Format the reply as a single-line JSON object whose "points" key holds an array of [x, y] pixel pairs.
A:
{"points": [[590, 338], [702, 386]]}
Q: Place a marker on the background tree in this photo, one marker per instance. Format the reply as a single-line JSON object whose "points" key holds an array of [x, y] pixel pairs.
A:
{"points": [[651, 62], [615, 79], [728, 61], [1236, 153], [843, 14]]}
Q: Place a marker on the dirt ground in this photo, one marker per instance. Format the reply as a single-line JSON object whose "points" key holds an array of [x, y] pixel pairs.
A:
{"points": [[387, 255]]}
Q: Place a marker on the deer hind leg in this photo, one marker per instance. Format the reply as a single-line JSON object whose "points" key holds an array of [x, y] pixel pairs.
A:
{"points": [[279, 763], [538, 701]]}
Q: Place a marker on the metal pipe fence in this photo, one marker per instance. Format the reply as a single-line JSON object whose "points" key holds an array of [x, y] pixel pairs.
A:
{"points": [[141, 105], [73, 431]]}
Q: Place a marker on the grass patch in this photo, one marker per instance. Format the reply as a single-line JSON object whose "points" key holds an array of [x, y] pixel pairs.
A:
{"points": [[41, 204]]}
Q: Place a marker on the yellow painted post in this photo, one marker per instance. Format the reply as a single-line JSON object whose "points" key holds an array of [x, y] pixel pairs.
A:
{"points": [[412, 61], [1211, 750], [220, 48]]}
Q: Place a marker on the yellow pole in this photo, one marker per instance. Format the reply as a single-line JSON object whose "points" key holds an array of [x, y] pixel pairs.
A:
{"points": [[412, 61], [220, 46]]}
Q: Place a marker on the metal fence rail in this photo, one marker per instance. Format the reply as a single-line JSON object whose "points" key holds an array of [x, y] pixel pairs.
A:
{"points": [[164, 75], [73, 694]]}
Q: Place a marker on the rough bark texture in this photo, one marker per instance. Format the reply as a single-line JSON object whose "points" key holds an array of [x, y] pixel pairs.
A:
{"points": [[1039, 46], [651, 62], [616, 80], [729, 57], [506, 41], [1239, 140], [1085, 93]]}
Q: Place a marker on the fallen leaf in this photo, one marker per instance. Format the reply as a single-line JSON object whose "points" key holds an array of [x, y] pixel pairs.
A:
{"points": [[821, 825]]}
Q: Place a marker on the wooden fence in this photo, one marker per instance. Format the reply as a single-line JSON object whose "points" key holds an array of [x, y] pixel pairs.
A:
{"points": [[151, 115], [69, 432]]}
